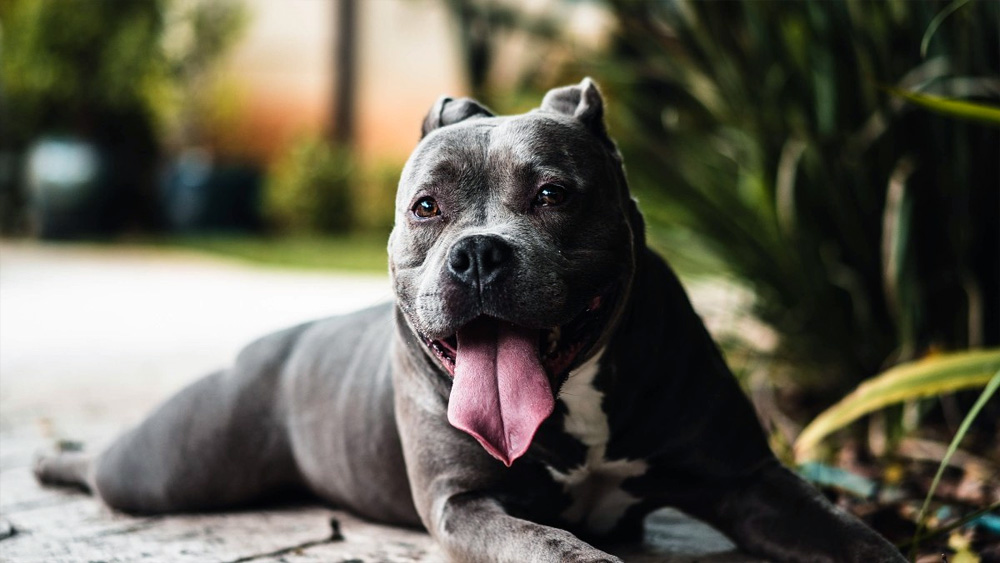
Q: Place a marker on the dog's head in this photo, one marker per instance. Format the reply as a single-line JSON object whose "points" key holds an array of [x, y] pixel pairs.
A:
{"points": [[513, 250]]}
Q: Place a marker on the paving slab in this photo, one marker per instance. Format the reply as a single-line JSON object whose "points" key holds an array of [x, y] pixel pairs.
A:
{"points": [[91, 339]]}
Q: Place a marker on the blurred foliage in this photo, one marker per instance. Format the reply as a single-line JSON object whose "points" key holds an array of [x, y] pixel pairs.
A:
{"points": [[319, 187], [68, 65], [76, 65], [866, 226], [483, 29], [365, 252], [375, 196], [956, 108], [196, 36], [116, 74], [308, 189]]}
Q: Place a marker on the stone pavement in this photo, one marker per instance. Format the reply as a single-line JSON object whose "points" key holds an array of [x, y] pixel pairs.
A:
{"points": [[91, 338]]}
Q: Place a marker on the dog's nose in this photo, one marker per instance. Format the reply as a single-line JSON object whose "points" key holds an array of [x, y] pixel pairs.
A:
{"points": [[477, 260]]}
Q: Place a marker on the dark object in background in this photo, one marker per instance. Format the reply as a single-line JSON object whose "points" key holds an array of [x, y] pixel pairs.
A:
{"points": [[197, 194], [78, 186], [11, 197], [66, 179]]}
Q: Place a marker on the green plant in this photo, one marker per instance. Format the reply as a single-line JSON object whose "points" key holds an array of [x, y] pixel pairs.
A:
{"points": [[309, 189], [69, 65], [928, 377], [82, 65], [866, 226], [196, 36], [364, 252], [375, 196], [987, 393], [115, 74], [955, 108]]}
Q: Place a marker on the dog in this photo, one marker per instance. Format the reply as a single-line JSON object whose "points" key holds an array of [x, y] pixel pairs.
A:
{"points": [[539, 382]]}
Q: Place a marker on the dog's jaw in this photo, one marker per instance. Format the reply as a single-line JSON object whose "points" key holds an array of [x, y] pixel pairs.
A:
{"points": [[504, 376]]}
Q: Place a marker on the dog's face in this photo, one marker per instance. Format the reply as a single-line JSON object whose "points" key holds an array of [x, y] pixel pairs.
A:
{"points": [[513, 245]]}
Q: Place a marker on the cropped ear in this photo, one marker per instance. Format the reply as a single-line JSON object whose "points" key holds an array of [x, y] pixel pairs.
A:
{"points": [[582, 101], [447, 111]]}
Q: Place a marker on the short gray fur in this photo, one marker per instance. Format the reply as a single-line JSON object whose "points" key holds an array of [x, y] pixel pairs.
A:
{"points": [[354, 408]]}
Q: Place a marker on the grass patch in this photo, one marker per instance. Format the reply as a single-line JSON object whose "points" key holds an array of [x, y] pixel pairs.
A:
{"points": [[367, 252], [362, 253]]}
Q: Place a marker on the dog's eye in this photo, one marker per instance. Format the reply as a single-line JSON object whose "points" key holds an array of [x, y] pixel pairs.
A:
{"points": [[550, 195], [426, 207]]}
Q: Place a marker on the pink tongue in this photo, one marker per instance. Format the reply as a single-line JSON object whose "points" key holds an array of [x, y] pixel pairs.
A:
{"points": [[500, 394]]}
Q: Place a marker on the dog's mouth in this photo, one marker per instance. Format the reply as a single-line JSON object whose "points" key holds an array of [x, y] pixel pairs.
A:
{"points": [[557, 347], [503, 374]]}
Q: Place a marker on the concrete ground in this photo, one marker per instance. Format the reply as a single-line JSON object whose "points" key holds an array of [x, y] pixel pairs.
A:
{"points": [[91, 338]]}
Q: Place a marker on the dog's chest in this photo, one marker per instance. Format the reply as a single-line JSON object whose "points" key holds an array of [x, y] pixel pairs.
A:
{"points": [[597, 499]]}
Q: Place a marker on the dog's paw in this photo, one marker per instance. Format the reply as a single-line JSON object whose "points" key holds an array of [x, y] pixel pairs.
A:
{"points": [[595, 557], [62, 468], [41, 465], [578, 551]]}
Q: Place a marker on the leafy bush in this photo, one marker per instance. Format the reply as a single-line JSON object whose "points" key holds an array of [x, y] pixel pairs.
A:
{"points": [[84, 66], [116, 74], [309, 189], [928, 377], [316, 187], [68, 66], [865, 225], [375, 194]]}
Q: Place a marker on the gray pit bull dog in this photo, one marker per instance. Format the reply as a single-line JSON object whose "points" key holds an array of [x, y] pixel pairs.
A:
{"points": [[540, 379]]}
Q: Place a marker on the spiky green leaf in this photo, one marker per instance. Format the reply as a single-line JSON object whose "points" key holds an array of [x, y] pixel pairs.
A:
{"points": [[914, 380], [960, 109]]}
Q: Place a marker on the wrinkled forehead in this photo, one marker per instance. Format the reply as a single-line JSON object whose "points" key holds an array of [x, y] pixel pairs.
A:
{"points": [[538, 142]]}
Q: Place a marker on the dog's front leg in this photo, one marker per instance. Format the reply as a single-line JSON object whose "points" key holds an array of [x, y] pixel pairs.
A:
{"points": [[780, 516], [476, 528], [455, 483]]}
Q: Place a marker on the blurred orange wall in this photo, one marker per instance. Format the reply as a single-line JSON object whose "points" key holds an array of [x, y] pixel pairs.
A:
{"points": [[283, 71]]}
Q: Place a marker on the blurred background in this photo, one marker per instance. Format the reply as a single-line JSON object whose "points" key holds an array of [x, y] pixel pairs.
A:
{"points": [[824, 175]]}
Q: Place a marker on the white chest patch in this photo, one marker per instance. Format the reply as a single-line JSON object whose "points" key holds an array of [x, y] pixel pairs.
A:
{"points": [[598, 501]]}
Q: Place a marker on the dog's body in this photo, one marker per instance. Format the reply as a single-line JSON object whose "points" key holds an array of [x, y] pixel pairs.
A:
{"points": [[540, 373]]}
